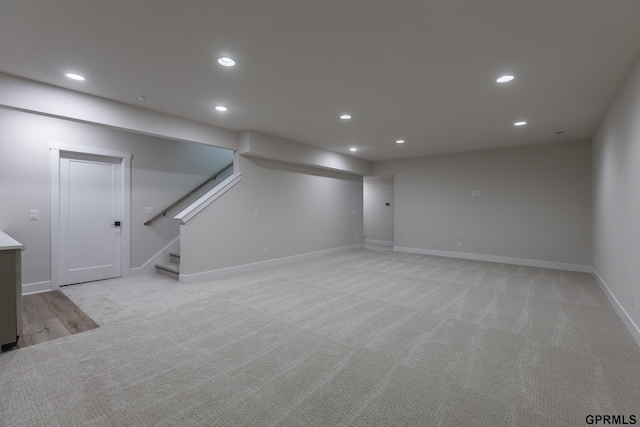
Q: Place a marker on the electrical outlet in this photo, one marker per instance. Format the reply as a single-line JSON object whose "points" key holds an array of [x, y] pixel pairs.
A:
{"points": [[479, 193], [459, 244], [149, 210], [265, 250], [473, 192], [256, 213]]}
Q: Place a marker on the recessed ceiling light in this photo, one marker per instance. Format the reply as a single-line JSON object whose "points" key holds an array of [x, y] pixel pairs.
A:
{"points": [[520, 123], [221, 108], [353, 149], [504, 79], [400, 141], [143, 98], [345, 117], [74, 76], [226, 61]]}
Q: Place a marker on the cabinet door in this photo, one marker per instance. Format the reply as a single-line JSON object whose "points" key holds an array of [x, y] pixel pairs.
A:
{"points": [[8, 298]]}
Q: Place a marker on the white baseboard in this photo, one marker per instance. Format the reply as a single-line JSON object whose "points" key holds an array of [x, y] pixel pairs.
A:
{"points": [[500, 259], [149, 267], [378, 242], [137, 271], [622, 313], [34, 288], [224, 272]]}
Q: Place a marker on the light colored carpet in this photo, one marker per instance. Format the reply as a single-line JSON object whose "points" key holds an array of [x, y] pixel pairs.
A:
{"points": [[366, 338]]}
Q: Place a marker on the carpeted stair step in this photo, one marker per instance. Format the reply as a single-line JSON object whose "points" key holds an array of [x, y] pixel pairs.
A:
{"points": [[174, 257], [169, 269]]}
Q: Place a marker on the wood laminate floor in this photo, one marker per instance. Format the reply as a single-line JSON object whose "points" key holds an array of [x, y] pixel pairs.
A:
{"points": [[50, 315]]}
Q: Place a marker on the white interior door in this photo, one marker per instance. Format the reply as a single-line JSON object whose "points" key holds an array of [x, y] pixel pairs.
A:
{"points": [[90, 215], [378, 205]]}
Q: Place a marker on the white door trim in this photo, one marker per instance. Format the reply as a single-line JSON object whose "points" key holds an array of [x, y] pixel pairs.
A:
{"points": [[125, 239]]}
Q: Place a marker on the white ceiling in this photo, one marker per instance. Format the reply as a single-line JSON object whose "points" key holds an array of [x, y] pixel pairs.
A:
{"points": [[420, 70]]}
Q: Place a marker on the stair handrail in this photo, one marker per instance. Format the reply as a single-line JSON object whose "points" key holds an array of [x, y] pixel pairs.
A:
{"points": [[185, 197], [191, 211]]}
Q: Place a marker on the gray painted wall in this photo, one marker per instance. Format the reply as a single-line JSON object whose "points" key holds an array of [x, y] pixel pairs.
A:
{"points": [[616, 198], [300, 210], [535, 202], [378, 217], [162, 171]]}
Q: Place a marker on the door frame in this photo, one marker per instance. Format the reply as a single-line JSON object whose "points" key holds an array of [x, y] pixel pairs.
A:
{"points": [[125, 182]]}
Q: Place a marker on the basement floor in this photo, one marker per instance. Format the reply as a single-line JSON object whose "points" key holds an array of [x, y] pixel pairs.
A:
{"points": [[51, 315]]}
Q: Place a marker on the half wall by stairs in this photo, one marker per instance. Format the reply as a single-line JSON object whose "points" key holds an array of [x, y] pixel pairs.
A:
{"points": [[172, 268]]}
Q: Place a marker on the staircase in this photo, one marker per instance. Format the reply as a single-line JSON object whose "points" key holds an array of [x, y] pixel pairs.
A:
{"points": [[171, 268]]}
